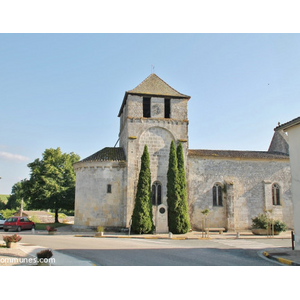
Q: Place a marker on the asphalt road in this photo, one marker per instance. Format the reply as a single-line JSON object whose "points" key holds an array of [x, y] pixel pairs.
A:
{"points": [[144, 252]]}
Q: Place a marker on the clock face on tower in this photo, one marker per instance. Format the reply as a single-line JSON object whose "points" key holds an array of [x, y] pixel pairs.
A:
{"points": [[155, 110]]}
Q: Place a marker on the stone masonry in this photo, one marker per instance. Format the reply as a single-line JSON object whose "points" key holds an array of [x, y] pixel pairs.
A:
{"points": [[106, 181]]}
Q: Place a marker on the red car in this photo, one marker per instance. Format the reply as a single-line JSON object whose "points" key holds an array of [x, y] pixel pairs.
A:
{"points": [[18, 223]]}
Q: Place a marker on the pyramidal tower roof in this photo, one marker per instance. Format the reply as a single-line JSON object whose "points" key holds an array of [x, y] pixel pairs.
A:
{"points": [[280, 142], [153, 86]]}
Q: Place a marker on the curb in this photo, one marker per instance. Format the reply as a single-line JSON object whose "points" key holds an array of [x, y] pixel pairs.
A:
{"points": [[142, 237], [281, 260]]}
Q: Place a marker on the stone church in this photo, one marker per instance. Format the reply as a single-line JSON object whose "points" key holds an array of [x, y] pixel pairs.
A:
{"points": [[234, 185]]}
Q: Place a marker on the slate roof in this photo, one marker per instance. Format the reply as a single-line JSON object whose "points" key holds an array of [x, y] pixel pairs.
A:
{"points": [[107, 154], [153, 86], [237, 154]]}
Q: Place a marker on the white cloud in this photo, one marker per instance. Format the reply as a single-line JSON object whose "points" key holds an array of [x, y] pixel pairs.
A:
{"points": [[15, 157]]}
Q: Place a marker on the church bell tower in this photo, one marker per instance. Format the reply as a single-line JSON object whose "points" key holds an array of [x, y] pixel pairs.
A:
{"points": [[152, 114]]}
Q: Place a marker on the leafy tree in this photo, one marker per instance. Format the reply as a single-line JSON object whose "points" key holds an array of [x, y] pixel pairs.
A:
{"points": [[173, 190], [18, 192], [8, 213], [52, 181], [182, 209], [142, 217], [3, 201]]}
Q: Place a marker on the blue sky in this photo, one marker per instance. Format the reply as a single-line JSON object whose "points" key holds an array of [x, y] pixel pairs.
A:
{"points": [[65, 90]]}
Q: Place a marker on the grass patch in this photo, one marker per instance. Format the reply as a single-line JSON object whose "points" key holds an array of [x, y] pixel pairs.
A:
{"points": [[42, 226]]}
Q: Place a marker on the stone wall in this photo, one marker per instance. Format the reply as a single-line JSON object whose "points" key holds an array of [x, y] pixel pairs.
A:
{"points": [[294, 138], [94, 206], [246, 190], [157, 133]]}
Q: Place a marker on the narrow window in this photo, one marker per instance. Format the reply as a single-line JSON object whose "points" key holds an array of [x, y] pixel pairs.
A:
{"points": [[167, 108], [109, 188], [156, 193], [153, 194], [146, 107], [276, 194], [217, 195]]}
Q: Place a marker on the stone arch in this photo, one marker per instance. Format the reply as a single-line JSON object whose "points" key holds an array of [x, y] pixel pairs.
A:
{"points": [[158, 141], [143, 131]]}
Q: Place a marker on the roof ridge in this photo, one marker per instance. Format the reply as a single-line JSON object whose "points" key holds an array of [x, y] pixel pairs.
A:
{"points": [[237, 153], [157, 77], [288, 124], [107, 154]]}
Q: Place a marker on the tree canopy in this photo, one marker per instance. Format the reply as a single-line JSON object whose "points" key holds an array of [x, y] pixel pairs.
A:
{"points": [[183, 214], [18, 192], [178, 219], [142, 217], [52, 181], [173, 189]]}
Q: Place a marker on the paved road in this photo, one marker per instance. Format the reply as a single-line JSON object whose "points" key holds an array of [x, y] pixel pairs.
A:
{"points": [[143, 252]]}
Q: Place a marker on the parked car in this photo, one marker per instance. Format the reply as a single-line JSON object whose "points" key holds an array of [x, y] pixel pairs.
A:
{"points": [[18, 224], [2, 220]]}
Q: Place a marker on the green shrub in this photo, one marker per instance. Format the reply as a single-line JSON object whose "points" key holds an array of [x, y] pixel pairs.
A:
{"points": [[262, 222], [100, 229], [44, 254], [8, 213], [279, 226]]}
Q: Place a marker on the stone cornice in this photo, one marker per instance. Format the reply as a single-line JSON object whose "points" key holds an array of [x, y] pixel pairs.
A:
{"points": [[99, 165], [158, 120]]}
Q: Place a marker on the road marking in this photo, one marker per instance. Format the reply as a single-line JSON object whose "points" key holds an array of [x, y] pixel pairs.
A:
{"points": [[149, 241], [243, 244]]}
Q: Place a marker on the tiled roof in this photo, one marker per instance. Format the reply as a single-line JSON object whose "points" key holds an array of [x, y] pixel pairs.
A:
{"points": [[289, 124], [153, 86], [238, 154], [107, 154]]}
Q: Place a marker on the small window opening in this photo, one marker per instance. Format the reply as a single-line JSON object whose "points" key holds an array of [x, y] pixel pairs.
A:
{"points": [[217, 195], [276, 194], [167, 108], [109, 188], [146, 107]]}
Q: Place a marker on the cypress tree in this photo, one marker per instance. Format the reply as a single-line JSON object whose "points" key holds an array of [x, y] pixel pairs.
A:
{"points": [[173, 190], [183, 215], [142, 217]]}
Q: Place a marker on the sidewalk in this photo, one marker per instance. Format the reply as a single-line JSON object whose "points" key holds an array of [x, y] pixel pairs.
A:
{"points": [[25, 255], [16, 257]]}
